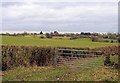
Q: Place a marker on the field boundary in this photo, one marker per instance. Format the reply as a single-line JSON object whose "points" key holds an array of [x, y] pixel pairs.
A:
{"points": [[69, 57], [13, 55]]}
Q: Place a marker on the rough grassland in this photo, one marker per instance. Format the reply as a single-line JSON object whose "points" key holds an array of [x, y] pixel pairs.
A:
{"points": [[64, 42], [52, 73], [64, 73]]}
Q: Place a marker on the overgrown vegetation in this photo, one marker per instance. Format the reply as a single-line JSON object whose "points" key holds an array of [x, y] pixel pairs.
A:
{"points": [[27, 55], [60, 73], [41, 56]]}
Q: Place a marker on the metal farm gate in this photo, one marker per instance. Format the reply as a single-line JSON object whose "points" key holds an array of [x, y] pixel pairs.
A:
{"points": [[79, 58]]}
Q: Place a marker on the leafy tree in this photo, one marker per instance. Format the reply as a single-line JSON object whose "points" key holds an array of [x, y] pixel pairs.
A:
{"points": [[25, 33], [35, 34], [118, 40], [111, 41], [41, 32], [51, 33], [82, 33], [48, 35], [56, 33], [72, 34], [105, 37]]}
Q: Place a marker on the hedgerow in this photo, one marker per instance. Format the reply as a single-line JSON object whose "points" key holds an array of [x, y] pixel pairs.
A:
{"points": [[27, 56], [13, 55]]}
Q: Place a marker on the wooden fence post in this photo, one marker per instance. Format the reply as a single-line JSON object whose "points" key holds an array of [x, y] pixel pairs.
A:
{"points": [[56, 52], [107, 59]]}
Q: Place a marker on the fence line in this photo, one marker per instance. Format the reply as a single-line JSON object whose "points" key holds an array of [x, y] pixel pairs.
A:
{"points": [[74, 60]]}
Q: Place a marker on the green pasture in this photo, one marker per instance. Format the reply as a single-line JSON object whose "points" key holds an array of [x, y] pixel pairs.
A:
{"points": [[55, 41]]}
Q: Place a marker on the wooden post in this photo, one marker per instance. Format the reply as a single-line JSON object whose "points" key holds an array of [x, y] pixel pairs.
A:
{"points": [[107, 59], [56, 52]]}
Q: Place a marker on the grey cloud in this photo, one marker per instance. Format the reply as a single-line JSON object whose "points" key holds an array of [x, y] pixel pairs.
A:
{"points": [[60, 16]]}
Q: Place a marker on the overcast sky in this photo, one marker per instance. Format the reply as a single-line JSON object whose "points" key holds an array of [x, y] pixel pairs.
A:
{"points": [[60, 16]]}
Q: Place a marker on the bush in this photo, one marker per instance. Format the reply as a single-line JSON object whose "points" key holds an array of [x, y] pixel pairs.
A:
{"points": [[42, 37], [27, 55], [118, 40], [106, 41], [42, 56], [94, 39], [48, 35], [73, 38], [111, 41]]}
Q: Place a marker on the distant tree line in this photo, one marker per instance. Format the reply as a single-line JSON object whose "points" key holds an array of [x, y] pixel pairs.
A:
{"points": [[97, 40], [71, 35]]}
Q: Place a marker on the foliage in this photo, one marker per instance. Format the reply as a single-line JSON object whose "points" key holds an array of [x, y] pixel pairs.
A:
{"points": [[94, 39], [27, 55], [111, 41], [48, 35], [73, 38], [41, 32], [82, 33], [97, 40], [42, 37], [41, 56], [118, 40], [56, 33]]}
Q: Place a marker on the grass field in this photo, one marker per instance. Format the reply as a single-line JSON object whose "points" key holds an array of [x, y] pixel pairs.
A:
{"points": [[64, 73], [55, 41], [52, 73]]}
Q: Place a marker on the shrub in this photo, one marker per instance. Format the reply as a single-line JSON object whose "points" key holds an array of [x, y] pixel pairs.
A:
{"points": [[118, 40], [41, 32], [42, 37], [111, 41], [106, 40], [94, 39], [27, 55], [73, 38], [42, 56], [48, 35]]}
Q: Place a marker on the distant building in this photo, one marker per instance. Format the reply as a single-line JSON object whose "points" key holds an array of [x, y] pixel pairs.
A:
{"points": [[94, 37]]}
